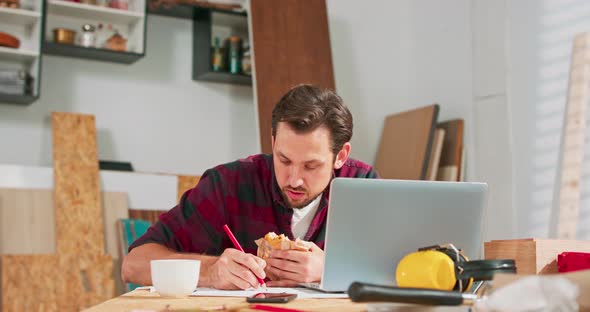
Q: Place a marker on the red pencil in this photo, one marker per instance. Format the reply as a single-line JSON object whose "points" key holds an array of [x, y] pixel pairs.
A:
{"points": [[262, 307], [238, 246]]}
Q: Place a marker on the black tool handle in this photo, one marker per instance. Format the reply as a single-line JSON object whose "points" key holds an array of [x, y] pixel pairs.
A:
{"points": [[362, 292]]}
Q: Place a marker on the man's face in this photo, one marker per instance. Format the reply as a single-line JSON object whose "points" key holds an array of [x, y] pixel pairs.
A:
{"points": [[303, 163]]}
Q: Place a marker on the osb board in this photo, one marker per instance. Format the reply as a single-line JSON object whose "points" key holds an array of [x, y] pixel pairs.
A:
{"points": [[452, 150], [533, 256], [28, 283], [55, 283], [406, 141], [27, 222], [147, 215], [78, 213], [186, 183], [84, 282]]}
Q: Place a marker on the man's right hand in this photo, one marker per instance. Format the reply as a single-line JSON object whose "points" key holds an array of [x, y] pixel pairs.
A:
{"points": [[236, 270]]}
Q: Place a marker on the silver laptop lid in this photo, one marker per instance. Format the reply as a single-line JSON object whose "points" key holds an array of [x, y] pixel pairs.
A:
{"points": [[373, 223]]}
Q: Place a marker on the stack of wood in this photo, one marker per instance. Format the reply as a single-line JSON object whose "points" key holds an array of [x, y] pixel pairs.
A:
{"points": [[416, 146]]}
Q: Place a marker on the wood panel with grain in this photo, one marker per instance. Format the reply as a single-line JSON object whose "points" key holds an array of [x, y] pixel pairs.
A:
{"points": [[291, 46]]}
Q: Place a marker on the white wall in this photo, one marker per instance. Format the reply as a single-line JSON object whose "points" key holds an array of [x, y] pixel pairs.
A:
{"points": [[390, 56], [150, 113], [540, 40], [500, 65]]}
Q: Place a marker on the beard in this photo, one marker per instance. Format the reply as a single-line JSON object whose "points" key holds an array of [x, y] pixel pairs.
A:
{"points": [[306, 202]]}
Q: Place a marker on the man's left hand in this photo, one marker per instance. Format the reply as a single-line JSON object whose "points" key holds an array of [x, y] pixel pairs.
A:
{"points": [[288, 268]]}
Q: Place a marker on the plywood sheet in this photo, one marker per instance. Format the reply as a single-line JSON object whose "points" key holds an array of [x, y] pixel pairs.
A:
{"points": [[186, 183], [452, 152], [405, 144], [78, 211], [27, 222], [435, 151]]}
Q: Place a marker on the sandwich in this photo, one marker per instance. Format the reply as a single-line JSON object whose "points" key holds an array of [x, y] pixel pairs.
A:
{"points": [[272, 241]]}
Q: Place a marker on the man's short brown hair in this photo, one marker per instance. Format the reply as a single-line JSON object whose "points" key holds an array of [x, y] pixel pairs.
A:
{"points": [[306, 108]]}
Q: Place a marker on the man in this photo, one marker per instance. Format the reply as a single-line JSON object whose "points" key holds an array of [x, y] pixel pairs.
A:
{"points": [[286, 192]]}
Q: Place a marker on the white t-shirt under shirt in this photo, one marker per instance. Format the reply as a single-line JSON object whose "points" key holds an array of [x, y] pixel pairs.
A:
{"points": [[302, 218]]}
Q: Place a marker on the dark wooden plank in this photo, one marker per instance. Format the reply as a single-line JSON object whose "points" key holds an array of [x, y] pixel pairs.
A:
{"points": [[406, 142], [291, 46]]}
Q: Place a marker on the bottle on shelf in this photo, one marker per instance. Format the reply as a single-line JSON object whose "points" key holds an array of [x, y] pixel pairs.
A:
{"points": [[235, 57], [217, 57]]}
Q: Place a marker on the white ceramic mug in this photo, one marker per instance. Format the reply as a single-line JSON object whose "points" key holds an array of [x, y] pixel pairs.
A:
{"points": [[175, 277]]}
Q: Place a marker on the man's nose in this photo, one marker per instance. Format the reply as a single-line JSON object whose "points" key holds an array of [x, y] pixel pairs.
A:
{"points": [[295, 179]]}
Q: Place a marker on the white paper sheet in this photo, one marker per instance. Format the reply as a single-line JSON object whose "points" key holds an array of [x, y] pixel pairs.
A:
{"points": [[301, 292]]}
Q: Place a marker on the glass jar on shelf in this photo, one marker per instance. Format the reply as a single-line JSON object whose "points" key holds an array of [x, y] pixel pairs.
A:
{"points": [[88, 37]]}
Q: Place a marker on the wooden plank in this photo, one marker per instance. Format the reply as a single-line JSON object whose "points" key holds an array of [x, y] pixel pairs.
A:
{"points": [[115, 208], [405, 144], [185, 183], [291, 45], [523, 251], [452, 151], [533, 256], [569, 176], [78, 213], [434, 159], [27, 222], [144, 300]]}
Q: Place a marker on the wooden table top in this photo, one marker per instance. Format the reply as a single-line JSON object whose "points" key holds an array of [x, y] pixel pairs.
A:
{"points": [[142, 299]]}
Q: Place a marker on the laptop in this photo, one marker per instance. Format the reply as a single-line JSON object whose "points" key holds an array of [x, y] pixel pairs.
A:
{"points": [[373, 223]]}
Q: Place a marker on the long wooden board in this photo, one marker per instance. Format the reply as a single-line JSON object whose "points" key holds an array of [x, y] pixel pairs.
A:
{"points": [[569, 177], [291, 45]]}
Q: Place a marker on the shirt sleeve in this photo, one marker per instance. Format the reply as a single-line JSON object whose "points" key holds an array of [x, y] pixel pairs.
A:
{"points": [[195, 224]]}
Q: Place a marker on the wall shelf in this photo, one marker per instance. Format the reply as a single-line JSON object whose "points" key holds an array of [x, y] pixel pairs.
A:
{"points": [[19, 16], [26, 24], [235, 23], [93, 12], [225, 77], [130, 24], [19, 55], [17, 99], [104, 55], [188, 11]]}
